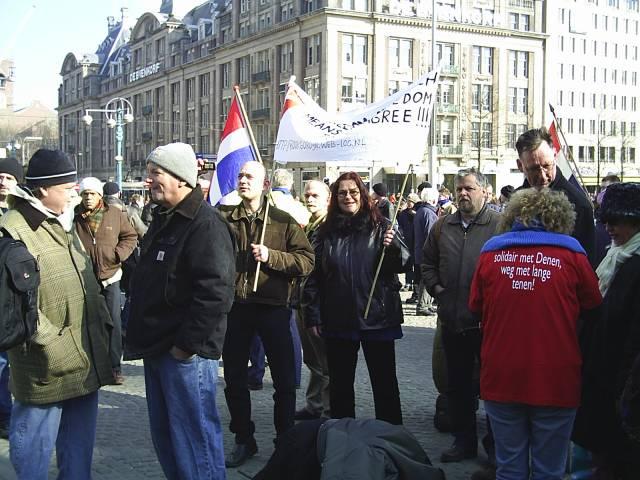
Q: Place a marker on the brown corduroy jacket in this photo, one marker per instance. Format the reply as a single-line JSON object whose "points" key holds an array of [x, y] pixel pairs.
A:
{"points": [[112, 243]]}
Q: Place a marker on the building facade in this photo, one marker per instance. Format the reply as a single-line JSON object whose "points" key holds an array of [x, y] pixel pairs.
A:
{"points": [[592, 79], [179, 74]]}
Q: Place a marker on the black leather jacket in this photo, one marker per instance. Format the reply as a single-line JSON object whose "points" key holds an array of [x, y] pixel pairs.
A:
{"points": [[335, 295]]}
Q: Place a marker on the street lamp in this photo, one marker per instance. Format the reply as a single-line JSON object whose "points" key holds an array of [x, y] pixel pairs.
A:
{"points": [[118, 112]]}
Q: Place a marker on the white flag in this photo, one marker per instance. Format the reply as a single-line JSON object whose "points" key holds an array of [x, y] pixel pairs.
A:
{"points": [[395, 128]]}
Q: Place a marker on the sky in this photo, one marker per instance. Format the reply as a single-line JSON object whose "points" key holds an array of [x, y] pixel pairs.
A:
{"points": [[38, 34]]}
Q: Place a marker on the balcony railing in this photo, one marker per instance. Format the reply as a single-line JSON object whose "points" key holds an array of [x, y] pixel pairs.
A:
{"points": [[448, 108], [261, 113], [147, 136], [264, 76], [147, 110], [521, 4], [449, 149], [450, 70]]}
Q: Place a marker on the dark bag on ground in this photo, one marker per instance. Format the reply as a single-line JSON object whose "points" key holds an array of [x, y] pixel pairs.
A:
{"points": [[19, 282], [348, 448]]}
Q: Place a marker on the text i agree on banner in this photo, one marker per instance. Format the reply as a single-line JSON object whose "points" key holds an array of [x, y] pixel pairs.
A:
{"points": [[396, 127]]}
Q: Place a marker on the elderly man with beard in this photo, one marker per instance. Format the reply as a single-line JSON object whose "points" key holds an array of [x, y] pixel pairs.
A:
{"points": [[449, 259]]}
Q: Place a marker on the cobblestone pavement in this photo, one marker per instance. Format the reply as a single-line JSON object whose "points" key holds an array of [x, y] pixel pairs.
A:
{"points": [[124, 451]]}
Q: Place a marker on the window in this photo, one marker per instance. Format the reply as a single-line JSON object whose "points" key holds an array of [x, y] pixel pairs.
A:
{"points": [[175, 123], [632, 129], [612, 128], [569, 125], [204, 85], [354, 90], [623, 128], [513, 132], [243, 70], [521, 21], [286, 57], [513, 99], [191, 89], [204, 115], [226, 75], [523, 100], [204, 143], [354, 49], [244, 6], [400, 52], [446, 53], [592, 127], [581, 125], [482, 60], [487, 140], [445, 91], [191, 119], [475, 134], [603, 127], [481, 97], [262, 98], [175, 93], [347, 90], [444, 131], [160, 48], [312, 87], [519, 64], [313, 49]]}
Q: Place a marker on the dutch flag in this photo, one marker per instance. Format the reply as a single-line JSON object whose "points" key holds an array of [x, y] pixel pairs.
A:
{"points": [[234, 151]]}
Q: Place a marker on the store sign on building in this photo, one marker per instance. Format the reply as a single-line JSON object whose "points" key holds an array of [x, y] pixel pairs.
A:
{"points": [[476, 16], [144, 72]]}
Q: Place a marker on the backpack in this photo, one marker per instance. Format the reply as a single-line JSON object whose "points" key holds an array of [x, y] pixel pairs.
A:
{"points": [[19, 281]]}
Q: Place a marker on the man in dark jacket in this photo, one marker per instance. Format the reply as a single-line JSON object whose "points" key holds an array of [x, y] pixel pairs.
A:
{"points": [[109, 239], [450, 256], [284, 255], [426, 217], [379, 195], [537, 161], [181, 293]]}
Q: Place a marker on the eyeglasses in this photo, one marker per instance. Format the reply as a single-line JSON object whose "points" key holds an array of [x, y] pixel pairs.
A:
{"points": [[353, 193]]}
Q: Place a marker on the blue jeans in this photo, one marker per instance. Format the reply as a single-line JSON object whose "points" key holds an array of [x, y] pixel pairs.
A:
{"points": [[70, 426], [256, 355], [5, 395], [521, 430], [185, 426]]}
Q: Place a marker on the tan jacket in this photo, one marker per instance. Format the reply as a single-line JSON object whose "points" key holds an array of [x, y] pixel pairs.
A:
{"points": [[69, 354]]}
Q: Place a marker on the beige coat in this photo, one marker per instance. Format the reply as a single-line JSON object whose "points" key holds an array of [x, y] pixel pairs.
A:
{"points": [[69, 353]]}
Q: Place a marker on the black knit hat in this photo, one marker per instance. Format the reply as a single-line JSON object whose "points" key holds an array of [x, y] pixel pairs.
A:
{"points": [[380, 189], [49, 167], [12, 167], [621, 202], [110, 188]]}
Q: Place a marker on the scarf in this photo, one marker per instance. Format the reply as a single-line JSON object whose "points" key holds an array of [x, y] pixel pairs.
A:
{"points": [[94, 217], [615, 258]]}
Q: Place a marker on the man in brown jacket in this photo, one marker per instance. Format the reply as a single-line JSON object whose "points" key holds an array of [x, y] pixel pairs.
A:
{"points": [[109, 239], [284, 255]]}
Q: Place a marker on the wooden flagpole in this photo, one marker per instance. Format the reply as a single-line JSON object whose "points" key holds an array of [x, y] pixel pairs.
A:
{"points": [[384, 248], [256, 151]]}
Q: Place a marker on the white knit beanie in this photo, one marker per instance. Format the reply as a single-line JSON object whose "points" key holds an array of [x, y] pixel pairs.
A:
{"points": [[179, 159], [91, 183]]}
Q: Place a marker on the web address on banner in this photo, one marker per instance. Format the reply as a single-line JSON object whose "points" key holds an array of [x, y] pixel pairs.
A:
{"points": [[289, 145]]}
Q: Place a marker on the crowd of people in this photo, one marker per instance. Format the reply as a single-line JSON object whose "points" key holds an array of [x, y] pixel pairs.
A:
{"points": [[535, 316]]}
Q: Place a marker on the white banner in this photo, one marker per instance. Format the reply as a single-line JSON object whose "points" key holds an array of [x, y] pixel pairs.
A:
{"points": [[395, 128]]}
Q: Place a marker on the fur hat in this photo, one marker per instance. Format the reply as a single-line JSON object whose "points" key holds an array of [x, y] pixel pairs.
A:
{"points": [[12, 167], [110, 188], [50, 167], [621, 202], [179, 160], [91, 183], [380, 189]]}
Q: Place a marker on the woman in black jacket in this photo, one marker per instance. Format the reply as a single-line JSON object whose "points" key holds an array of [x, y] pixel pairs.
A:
{"points": [[348, 247]]}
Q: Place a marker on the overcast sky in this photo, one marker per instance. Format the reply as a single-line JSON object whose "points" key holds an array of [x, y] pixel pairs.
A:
{"points": [[37, 35]]}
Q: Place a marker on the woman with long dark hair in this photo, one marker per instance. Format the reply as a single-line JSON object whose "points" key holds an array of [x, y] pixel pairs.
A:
{"points": [[348, 247]]}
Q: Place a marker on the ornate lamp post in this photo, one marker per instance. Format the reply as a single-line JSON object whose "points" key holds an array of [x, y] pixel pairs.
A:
{"points": [[118, 112]]}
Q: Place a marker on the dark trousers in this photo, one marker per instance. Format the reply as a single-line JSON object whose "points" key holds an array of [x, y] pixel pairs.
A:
{"points": [[272, 324], [112, 296], [461, 351], [342, 357]]}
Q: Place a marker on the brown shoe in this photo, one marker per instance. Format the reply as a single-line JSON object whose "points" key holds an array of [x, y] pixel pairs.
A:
{"points": [[118, 378]]}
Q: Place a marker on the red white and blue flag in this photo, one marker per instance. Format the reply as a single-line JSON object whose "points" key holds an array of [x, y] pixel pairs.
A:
{"points": [[234, 151]]}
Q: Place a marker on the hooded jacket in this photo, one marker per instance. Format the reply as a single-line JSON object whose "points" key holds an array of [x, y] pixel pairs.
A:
{"points": [[69, 354]]}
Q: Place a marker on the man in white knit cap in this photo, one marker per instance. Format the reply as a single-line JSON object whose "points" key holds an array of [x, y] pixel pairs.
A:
{"points": [[181, 292]]}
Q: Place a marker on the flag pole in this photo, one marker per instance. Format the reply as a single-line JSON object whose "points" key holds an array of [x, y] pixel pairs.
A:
{"points": [[256, 151], [384, 248], [568, 150]]}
